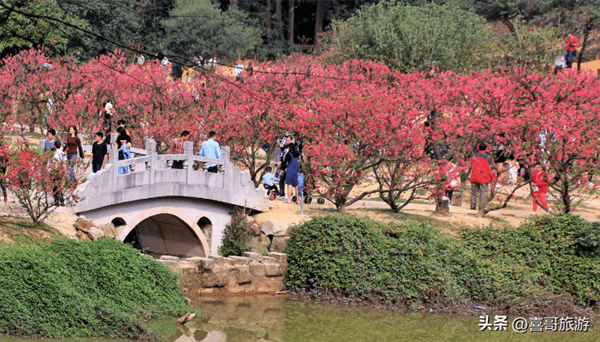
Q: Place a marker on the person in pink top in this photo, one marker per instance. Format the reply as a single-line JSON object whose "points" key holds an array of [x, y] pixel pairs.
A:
{"points": [[539, 187]]}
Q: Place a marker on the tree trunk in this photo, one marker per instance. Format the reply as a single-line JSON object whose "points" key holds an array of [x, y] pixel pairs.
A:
{"points": [[268, 16], [586, 33], [318, 26], [291, 22], [278, 23], [278, 10], [442, 205]]}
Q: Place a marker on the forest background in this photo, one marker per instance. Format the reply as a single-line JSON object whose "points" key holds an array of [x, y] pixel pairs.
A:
{"points": [[455, 35]]}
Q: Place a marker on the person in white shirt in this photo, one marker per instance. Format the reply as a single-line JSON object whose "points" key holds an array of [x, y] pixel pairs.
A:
{"points": [[239, 67], [212, 63]]}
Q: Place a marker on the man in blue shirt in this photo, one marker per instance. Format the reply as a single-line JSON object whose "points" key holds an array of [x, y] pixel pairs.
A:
{"points": [[211, 149]]}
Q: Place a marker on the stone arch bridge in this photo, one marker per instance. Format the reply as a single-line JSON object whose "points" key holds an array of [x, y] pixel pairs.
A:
{"points": [[162, 210]]}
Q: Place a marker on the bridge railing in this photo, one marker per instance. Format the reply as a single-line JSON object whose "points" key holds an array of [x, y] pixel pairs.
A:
{"points": [[158, 167], [153, 177]]}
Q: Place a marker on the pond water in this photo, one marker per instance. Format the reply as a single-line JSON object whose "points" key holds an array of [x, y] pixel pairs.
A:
{"points": [[263, 319], [278, 319]]}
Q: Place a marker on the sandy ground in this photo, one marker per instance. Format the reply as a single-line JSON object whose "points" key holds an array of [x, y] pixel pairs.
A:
{"points": [[518, 210]]}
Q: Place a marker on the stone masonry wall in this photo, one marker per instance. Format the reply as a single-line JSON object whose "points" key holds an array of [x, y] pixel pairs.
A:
{"points": [[221, 276]]}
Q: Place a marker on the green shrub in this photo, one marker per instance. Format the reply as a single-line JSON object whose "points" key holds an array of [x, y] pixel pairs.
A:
{"points": [[554, 254], [72, 288], [351, 257], [235, 235]]}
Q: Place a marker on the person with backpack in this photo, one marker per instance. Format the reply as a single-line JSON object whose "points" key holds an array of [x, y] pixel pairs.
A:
{"points": [[481, 177]]}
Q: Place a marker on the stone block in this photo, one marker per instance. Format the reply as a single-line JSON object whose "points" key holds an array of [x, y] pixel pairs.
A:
{"points": [[170, 263], [238, 260], [83, 224], [242, 274], [273, 270], [257, 270], [197, 259], [217, 277], [95, 233], [203, 263], [252, 256], [219, 260], [269, 260], [280, 243], [168, 257], [275, 228], [281, 258]]}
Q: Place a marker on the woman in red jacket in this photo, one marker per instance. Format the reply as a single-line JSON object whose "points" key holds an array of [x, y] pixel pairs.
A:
{"points": [[540, 188]]}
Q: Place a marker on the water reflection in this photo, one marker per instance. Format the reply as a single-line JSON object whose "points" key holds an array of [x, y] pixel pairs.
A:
{"points": [[276, 319]]}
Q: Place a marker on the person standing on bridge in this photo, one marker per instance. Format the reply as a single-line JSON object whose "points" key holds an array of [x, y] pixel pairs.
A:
{"points": [[211, 149], [177, 148]]}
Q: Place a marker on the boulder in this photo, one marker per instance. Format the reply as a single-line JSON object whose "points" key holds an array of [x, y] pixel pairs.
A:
{"points": [[280, 243], [83, 224], [95, 233], [258, 244], [251, 225], [275, 228], [109, 230], [82, 236]]}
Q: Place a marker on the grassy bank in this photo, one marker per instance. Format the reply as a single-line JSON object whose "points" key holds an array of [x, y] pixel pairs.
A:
{"points": [[71, 288], [415, 265]]}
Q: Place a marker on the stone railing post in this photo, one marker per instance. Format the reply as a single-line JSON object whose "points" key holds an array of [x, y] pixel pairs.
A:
{"points": [[227, 166], [113, 158], [151, 152], [188, 149]]}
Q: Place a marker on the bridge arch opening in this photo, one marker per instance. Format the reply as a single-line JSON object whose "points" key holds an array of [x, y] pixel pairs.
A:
{"points": [[117, 221], [165, 234], [206, 227]]}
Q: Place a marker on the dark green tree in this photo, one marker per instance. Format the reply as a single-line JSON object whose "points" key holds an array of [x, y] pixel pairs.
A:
{"points": [[200, 25], [134, 23], [26, 24], [409, 38]]}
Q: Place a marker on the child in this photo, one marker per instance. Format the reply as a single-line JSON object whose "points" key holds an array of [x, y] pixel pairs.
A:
{"points": [[99, 153], [3, 162], [280, 175], [59, 157], [453, 181], [539, 188], [513, 167], [269, 179]]}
